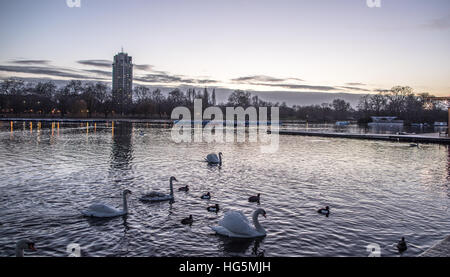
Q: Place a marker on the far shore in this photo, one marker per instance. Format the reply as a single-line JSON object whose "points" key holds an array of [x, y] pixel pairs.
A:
{"points": [[121, 119], [99, 120]]}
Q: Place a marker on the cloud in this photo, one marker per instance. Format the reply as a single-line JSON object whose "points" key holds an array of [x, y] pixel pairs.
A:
{"points": [[47, 71], [438, 23], [355, 88], [167, 78], [145, 67], [355, 84], [97, 63], [296, 86], [382, 90], [99, 72], [261, 78], [108, 64], [41, 62]]}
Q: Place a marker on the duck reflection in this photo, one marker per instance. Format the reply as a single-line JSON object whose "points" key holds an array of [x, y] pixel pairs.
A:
{"points": [[235, 246], [122, 148]]}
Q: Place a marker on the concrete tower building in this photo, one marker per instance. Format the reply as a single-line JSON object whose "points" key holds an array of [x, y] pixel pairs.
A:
{"points": [[122, 81]]}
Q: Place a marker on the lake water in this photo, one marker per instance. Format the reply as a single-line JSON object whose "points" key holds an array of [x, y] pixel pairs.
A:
{"points": [[377, 191]]}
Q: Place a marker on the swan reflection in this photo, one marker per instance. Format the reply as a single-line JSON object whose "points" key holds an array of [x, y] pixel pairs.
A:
{"points": [[240, 246]]}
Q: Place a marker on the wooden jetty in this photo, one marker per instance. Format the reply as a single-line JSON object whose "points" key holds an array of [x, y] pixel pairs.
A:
{"points": [[416, 138], [440, 249]]}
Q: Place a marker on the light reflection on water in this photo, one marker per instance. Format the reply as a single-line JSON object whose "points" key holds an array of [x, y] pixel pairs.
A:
{"points": [[377, 191]]}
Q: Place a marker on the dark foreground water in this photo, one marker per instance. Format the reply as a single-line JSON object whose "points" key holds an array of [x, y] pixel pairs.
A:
{"points": [[377, 191]]}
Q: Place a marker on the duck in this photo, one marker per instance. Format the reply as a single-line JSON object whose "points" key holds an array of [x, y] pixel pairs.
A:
{"points": [[401, 245], [185, 188], [105, 211], [214, 208], [254, 198], [155, 196], [206, 196], [214, 159], [23, 245], [325, 211], [188, 220], [235, 224]]}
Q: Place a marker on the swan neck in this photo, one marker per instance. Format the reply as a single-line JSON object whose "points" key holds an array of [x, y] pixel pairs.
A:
{"points": [[171, 187], [19, 252], [220, 159], [258, 226], [125, 204]]}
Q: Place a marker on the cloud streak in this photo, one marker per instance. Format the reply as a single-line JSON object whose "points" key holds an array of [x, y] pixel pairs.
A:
{"points": [[268, 81], [101, 71], [296, 86], [355, 84], [97, 73], [97, 63], [167, 78], [442, 23], [39, 62], [379, 90], [47, 71], [262, 78], [144, 67], [354, 88], [108, 64]]}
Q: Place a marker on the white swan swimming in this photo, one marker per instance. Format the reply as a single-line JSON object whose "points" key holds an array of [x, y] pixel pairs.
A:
{"points": [[24, 245], [102, 210], [155, 196], [214, 159], [235, 225]]}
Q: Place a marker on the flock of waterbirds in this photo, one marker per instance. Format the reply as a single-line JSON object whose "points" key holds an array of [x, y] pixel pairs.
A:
{"points": [[234, 224]]}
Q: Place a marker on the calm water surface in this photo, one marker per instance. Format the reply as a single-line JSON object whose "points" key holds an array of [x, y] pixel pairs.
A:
{"points": [[377, 191]]}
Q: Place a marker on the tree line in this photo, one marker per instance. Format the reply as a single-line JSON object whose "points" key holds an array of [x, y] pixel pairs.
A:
{"points": [[78, 99]]}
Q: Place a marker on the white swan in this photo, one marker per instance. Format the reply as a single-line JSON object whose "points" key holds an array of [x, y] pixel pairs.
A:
{"points": [[155, 196], [102, 210], [214, 159], [24, 245], [235, 225]]}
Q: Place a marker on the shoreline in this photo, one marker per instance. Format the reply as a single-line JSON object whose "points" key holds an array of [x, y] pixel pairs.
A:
{"points": [[97, 120]]}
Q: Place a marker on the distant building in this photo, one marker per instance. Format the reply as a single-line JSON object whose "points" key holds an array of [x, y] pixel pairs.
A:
{"points": [[122, 81], [385, 120], [342, 123]]}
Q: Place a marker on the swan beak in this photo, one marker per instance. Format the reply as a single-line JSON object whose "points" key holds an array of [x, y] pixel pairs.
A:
{"points": [[32, 248], [264, 215]]}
